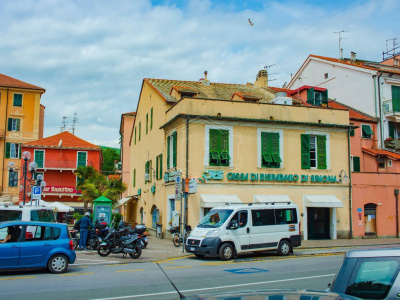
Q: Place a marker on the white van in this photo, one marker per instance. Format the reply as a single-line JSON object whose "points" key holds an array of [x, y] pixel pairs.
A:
{"points": [[10, 212], [237, 228]]}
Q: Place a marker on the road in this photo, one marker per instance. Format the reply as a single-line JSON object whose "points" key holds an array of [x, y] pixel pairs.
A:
{"points": [[189, 274]]}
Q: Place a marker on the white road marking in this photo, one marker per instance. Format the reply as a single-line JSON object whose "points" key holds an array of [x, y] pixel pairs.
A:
{"points": [[87, 261], [215, 288]]}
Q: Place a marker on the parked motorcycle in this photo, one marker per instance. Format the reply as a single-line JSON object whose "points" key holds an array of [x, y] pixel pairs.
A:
{"points": [[139, 230], [92, 241], [118, 241], [74, 237]]}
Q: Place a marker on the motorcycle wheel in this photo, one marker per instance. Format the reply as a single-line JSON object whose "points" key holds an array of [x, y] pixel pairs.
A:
{"points": [[103, 251], [76, 243], [138, 252]]}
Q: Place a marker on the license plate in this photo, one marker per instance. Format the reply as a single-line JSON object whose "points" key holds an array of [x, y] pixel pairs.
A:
{"points": [[191, 248], [103, 244]]}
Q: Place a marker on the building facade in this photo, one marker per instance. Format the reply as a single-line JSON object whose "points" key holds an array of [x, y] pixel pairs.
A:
{"points": [[58, 157], [238, 144], [22, 121]]}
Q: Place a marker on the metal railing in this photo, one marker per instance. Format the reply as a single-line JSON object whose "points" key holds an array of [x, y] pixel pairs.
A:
{"points": [[61, 164], [391, 106]]}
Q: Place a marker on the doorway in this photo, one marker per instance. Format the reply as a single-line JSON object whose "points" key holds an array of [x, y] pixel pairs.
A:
{"points": [[318, 221], [370, 220]]}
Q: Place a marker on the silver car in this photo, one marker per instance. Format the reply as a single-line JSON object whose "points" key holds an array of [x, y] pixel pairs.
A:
{"points": [[369, 274]]}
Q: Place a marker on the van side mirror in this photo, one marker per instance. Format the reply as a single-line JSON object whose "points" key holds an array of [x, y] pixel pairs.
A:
{"points": [[233, 224]]}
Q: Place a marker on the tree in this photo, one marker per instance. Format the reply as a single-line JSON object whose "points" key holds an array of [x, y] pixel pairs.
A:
{"points": [[93, 184], [110, 155]]}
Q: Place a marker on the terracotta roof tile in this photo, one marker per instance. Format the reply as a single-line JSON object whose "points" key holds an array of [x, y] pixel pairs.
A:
{"points": [[379, 152], [7, 81], [68, 140], [246, 96], [353, 113]]}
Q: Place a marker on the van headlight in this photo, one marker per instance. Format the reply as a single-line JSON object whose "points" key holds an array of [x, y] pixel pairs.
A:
{"points": [[212, 233]]}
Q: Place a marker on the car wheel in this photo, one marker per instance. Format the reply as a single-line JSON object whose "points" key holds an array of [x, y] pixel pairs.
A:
{"points": [[226, 252], [58, 264], [103, 250], [138, 252], [283, 248]]}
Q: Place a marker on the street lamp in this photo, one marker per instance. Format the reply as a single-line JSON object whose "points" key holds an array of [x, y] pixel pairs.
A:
{"points": [[343, 179], [32, 167]]}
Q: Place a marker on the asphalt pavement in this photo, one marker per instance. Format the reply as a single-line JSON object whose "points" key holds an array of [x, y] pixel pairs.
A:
{"points": [[164, 249]]}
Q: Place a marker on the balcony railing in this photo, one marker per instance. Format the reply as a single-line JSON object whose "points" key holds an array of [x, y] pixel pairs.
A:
{"points": [[61, 164], [391, 106]]}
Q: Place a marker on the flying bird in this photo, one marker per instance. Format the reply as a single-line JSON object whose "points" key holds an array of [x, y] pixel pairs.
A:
{"points": [[251, 23]]}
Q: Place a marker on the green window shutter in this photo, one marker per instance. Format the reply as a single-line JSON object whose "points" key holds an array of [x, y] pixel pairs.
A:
{"points": [[352, 133], [161, 163], [9, 127], [265, 155], [151, 119], [305, 151], [134, 177], [168, 151], [214, 146], [81, 159], [146, 170], [274, 138], [18, 124], [391, 129], [17, 100], [8, 149], [140, 129], [367, 130], [356, 164], [135, 135], [39, 156], [150, 170], [174, 158], [224, 147], [311, 96], [147, 123], [325, 95], [157, 158], [19, 150], [396, 98], [321, 150]]}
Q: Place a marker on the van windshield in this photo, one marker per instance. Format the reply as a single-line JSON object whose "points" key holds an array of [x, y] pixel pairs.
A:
{"points": [[215, 218], [42, 215]]}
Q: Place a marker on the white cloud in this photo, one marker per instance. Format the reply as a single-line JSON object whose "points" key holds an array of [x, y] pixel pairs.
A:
{"points": [[91, 56]]}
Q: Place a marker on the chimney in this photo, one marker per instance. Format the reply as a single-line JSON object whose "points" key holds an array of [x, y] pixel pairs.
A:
{"points": [[341, 53], [205, 81], [353, 56], [262, 79]]}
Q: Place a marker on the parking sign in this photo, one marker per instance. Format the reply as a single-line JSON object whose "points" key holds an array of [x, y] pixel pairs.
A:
{"points": [[36, 192]]}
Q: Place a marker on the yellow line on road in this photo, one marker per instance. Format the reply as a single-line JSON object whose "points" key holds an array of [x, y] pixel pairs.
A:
{"points": [[73, 274], [175, 258], [14, 278], [131, 270], [178, 267]]}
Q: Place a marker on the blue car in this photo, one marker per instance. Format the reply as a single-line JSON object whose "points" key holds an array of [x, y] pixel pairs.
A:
{"points": [[27, 245]]}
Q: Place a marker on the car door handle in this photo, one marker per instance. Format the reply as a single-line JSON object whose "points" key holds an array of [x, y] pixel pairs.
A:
{"points": [[248, 230]]}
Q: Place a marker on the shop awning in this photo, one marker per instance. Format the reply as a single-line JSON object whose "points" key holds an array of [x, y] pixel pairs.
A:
{"points": [[272, 198], [61, 207], [323, 201], [213, 200], [123, 201]]}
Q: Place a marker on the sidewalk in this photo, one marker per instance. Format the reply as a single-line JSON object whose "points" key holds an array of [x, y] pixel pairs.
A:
{"points": [[164, 249]]}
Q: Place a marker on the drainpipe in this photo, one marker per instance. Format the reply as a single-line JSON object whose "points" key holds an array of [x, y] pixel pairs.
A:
{"points": [[350, 186], [4, 147], [186, 199], [380, 112], [376, 102], [396, 193]]}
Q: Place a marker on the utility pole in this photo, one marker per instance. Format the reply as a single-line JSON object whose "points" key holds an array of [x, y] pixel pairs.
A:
{"points": [[340, 39]]}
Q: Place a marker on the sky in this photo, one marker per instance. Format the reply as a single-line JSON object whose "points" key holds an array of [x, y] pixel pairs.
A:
{"points": [[91, 55]]}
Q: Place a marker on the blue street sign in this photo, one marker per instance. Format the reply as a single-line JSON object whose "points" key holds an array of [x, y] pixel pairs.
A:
{"points": [[36, 192]]}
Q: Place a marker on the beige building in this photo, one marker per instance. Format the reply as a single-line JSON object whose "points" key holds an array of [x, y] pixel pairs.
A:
{"points": [[239, 144], [21, 121]]}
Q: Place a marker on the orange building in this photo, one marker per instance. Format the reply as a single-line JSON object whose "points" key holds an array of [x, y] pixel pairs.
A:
{"points": [[21, 120], [58, 157]]}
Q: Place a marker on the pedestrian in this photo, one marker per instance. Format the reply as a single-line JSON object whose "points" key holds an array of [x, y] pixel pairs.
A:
{"points": [[84, 224]]}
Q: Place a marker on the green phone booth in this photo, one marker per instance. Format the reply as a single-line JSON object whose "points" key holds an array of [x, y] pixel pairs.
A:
{"points": [[102, 210]]}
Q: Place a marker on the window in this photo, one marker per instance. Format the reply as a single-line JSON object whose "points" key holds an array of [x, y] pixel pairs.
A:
{"points": [[151, 119], [159, 170], [134, 177], [13, 231], [10, 215], [241, 218], [17, 100], [390, 163], [154, 217], [270, 155], [356, 164], [148, 171], [326, 75], [317, 97], [219, 147], [140, 129], [313, 151], [366, 131], [263, 217], [81, 159], [13, 150], [13, 124], [381, 163], [39, 158], [171, 210], [352, 130], [285, 216], [13, 179], [171, 150], [147, 123], [42, 215]]}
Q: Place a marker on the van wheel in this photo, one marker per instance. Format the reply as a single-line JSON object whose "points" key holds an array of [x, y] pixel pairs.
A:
{"points": [[283, 248], [58, 264], [226, 252]]}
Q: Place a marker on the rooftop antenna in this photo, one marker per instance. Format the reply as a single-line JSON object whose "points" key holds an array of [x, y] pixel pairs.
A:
{"points": [[392, 52], [64, 123], [74, 123], [340, 39], [267, 68]]}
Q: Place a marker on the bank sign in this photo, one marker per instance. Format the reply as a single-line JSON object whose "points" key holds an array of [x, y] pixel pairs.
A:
{"points": [[211, 175]]}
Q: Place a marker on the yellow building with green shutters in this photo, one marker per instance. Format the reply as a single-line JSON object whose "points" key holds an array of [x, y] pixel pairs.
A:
{"points": [[21, 121], [239, 144]]}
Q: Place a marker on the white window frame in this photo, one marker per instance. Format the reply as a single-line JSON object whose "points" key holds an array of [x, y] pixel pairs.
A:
{"points": [[77, 155], [169, 215], [328, 149], [171, 149], [390, 163], [14, 124], [15, 150], [207, 143], [362, 133], [259, 161]]}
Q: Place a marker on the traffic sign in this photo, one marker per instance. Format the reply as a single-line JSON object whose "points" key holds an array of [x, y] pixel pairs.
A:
{"points": [[178, 188], [36, 192]]}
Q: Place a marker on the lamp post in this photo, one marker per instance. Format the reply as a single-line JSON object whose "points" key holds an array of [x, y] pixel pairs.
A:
{"points": [[32, 167]]}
